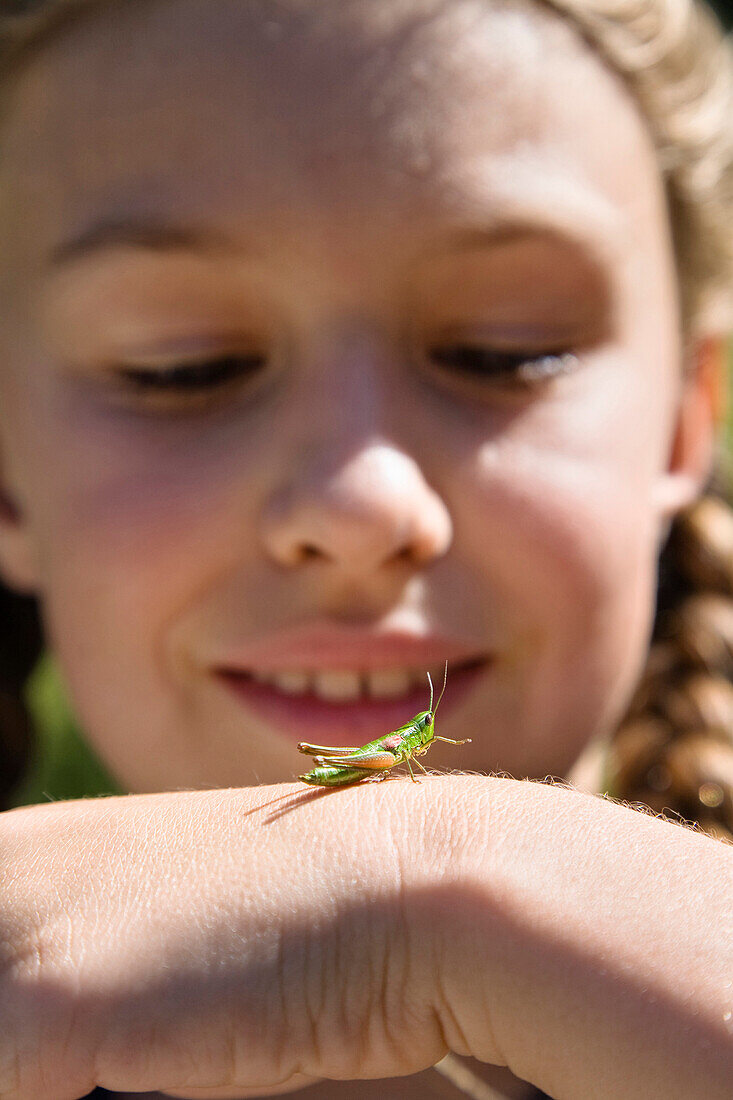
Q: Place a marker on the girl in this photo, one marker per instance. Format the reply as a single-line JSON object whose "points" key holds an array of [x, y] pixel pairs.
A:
{"points": [[340, 340]]}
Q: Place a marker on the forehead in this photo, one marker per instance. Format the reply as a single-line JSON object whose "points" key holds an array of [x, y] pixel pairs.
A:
{"points": [[383, 108]]}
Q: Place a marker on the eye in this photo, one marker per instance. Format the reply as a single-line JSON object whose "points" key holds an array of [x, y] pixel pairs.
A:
{"points": [[183, 386], [521, 369], [194, 377]]}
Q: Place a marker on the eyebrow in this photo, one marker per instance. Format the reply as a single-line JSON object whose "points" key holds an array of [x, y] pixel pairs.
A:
{"points": [[147, 234]]}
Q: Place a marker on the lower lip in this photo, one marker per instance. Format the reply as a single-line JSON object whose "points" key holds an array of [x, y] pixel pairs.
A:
{"points": [[308, 718]]}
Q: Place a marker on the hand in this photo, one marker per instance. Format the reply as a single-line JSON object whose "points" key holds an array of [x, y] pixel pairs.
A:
{"points": [[246, 942]]}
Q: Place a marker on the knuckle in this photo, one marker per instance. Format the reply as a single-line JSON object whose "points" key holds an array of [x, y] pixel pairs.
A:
{"points": [[39, 1020]]}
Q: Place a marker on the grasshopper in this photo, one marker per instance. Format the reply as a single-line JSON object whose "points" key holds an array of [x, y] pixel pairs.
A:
{"points": [[336, 767]]}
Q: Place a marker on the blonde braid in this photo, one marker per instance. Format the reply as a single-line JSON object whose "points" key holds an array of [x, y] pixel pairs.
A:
{"points": [[673, 752]]}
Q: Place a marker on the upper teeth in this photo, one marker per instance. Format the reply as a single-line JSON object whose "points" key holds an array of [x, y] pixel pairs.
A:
{"points": [[344, 685]]}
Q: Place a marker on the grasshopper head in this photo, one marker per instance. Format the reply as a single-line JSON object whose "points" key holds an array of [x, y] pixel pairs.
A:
{"points": [[424, 723]]}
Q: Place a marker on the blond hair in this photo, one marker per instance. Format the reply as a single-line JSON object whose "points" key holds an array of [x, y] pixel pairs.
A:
{"points": [[678, 64]]}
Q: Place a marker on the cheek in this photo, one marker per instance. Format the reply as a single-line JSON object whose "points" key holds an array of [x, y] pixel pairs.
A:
{"points": [[566, 539], [153, 507], [135, 525], [555, 516]]}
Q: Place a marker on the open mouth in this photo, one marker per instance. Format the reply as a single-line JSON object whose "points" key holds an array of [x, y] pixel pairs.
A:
{"points": [[357, 704]]}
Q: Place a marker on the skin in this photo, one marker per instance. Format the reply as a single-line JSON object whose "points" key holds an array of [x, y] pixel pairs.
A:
{"points": [[530, 929], [524, 523]]}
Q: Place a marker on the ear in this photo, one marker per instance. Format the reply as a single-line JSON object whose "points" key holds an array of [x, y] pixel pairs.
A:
{"points": [[700, 414], [18, 561]]}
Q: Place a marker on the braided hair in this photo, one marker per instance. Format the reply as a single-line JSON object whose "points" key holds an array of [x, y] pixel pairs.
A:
{"points": [[673, 749]]}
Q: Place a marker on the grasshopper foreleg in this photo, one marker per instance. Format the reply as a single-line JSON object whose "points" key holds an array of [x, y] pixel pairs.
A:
{"points": [[414, 757]]}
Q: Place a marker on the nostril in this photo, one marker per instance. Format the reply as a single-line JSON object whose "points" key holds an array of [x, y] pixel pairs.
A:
{"points": [[404, 554], [308, 550]]}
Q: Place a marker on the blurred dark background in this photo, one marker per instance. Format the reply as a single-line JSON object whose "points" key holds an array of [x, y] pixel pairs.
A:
{"points": [[724, 9]]}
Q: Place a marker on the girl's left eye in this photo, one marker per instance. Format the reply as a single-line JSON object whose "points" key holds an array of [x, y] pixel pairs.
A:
{"points": [[517, 369]]}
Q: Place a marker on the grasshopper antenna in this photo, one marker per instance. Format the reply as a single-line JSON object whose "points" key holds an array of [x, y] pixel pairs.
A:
{"points": [[445, 679], [430, 708]]}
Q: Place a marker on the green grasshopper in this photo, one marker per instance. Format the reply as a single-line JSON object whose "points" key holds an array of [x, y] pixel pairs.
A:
{"points": [[336, 767]]}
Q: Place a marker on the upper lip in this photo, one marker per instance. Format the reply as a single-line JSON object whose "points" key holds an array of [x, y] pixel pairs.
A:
{"points": [[341, 648]]}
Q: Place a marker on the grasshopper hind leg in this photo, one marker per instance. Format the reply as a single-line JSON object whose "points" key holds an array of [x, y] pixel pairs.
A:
{"points": [[412, 774]]}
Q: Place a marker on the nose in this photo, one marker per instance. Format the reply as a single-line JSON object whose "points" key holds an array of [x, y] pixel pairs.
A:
{"points": [[376, 509]]}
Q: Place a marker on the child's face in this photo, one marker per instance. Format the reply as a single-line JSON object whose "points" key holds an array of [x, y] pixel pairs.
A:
{"points": [[362, 200]]}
